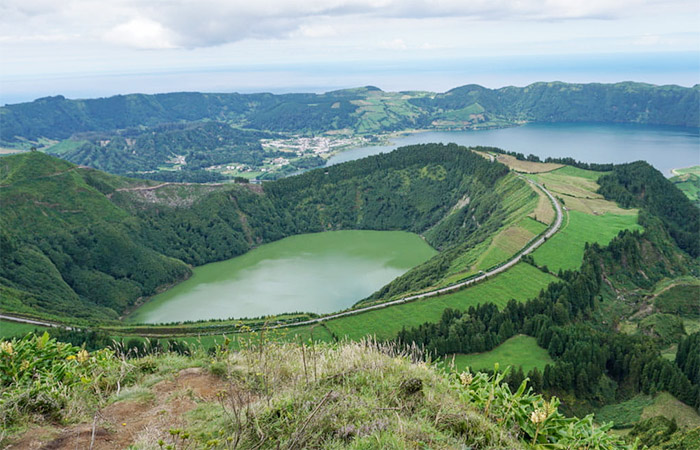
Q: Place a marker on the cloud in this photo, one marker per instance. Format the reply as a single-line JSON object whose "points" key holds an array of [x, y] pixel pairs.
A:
{"points": [[141, 33], [316, 31], [395, 44], [203, 23]]}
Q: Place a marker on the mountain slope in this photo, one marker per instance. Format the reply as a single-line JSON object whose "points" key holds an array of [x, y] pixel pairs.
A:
{"points": [[76, 236], [361, 110]]}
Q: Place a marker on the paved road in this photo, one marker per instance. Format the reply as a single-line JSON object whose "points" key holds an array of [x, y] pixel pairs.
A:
{"points": [[455, 287], [34, 322]]}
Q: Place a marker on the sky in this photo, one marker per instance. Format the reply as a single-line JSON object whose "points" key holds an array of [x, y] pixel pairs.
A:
{"points": [[97, 48]]}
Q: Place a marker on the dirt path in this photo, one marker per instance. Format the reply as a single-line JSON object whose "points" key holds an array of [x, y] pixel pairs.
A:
{"points": [[648, 306], [144, 419], [34, 322]]}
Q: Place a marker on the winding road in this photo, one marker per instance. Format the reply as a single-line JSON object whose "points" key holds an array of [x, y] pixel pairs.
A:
{"points": [[455, 287], [35, 322]]}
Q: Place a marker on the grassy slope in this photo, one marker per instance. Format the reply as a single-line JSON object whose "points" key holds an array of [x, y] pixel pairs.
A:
{"points": [[688, 181], [517, 351], [516, 231], [526, 166], [521, 283], [565, 249], [668, 406], [578, 190], [639, 407], [13, 329], [589, 217], [353, 395]]}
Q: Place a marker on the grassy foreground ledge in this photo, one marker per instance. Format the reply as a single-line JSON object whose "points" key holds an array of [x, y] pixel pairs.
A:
{"points": [[268, 395]]}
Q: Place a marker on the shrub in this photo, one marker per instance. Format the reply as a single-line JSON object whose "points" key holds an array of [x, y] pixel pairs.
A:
{"points": [[42, 377]]}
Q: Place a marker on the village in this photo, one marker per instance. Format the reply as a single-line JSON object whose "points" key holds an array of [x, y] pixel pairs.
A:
{"points": [[296, 147], [317, 145]]}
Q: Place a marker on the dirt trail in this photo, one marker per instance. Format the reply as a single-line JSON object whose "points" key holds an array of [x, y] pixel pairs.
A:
{"points": [[126, 422], [648, 307]]}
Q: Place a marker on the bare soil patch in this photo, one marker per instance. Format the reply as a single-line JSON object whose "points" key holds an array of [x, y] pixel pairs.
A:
{"points": [[527, 166], [124, 422]]}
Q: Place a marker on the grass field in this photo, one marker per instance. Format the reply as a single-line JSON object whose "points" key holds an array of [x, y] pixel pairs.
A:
{"points": [[595, 206], [14, 329], [694, 170], [526, 166], [579, 173], [517, 351], [520, 200], [688, 181], [65, 146], [668, 406], [682, 299], [625, 414], [570, 181], [579, 191], [378, 109], [509, 242], [690, 185], [691, 325], [565, 249], [521, 282], [544, 212], [640, 407]]}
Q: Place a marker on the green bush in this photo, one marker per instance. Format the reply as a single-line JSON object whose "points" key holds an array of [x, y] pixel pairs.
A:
{"points": [[44, 377], [536, 420]]}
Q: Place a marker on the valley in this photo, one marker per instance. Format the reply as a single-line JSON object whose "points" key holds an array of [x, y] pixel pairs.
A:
{"points": [[265, 137], [317, 273], [581, 276]]}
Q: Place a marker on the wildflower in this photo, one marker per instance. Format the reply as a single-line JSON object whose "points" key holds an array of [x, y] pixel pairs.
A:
{"points": [[466, 378], [24, 365], [123, 424], [70, 357], [82, 356], [538, 416], [6, 347]]}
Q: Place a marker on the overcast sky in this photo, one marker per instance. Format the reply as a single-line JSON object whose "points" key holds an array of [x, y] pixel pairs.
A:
{"points": [[87, 48]]}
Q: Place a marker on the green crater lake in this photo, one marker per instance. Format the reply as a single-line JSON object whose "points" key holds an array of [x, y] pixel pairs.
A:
{"points": [[321, 273]]}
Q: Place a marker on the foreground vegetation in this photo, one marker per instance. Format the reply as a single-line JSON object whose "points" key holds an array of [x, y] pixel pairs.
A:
{"points": [[351, 395]]}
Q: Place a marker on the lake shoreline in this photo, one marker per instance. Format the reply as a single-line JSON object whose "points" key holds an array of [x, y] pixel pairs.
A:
{"points": [[263, 281]]}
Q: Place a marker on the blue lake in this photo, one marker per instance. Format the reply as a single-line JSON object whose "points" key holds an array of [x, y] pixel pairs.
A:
{"points": [[665, 148]]}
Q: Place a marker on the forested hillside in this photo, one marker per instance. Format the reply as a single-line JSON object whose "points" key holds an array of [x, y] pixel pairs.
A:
{"points": [[199, 145], [578, 319], [362, 110], [76, 236], [638, 184], [564, 102]]}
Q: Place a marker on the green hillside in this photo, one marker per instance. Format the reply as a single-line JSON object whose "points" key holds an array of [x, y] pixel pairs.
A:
{"points": [[518, 351], [88, 230], [200, 137], [351, 395], [688, 181], [72, 235], [362, 110]]}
